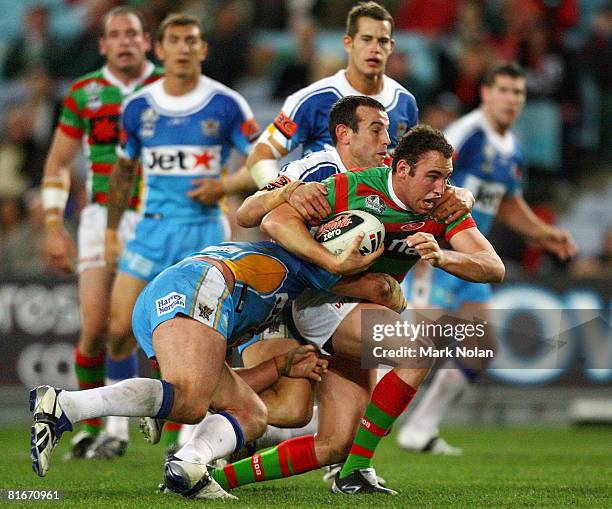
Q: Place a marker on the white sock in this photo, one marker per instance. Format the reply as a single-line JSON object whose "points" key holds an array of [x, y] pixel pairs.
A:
{"points": [[213, 438], [274, 436], [447, 386], [116, 426], [136, 397], [185, 434]]}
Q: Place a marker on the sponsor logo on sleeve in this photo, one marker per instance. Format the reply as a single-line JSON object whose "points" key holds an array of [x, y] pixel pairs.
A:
{"points": [[168, 303], [250, 129], [285, 125]]}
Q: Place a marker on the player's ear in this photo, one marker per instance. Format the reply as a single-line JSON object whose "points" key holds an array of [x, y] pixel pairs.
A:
{"points": [[402, 168], [204, 50], [147, 40], [342, 133], [347, 41], [102, 46], [159, 52]]}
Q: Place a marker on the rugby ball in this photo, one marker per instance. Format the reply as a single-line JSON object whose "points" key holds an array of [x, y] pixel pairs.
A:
{"points": [[337, 233]]}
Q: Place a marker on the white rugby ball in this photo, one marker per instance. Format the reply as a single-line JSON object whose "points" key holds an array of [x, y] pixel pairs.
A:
{"points": [[337, 233]]}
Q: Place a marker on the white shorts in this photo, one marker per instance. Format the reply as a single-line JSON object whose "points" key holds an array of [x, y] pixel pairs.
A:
{"points": [[92, 230], [317, 314]]}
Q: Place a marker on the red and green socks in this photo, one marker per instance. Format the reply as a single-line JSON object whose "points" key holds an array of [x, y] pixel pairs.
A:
{"points": [[90, 374], [390, 398], [290, 457]]}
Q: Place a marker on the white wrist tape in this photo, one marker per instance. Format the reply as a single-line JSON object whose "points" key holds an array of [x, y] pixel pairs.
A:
{"points": [[54, 198], [264, 172]]}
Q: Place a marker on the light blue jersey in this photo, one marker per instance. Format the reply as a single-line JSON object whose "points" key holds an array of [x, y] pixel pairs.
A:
{"points": [[180, 139], [267, 279], [489, 165], [302, 120]]}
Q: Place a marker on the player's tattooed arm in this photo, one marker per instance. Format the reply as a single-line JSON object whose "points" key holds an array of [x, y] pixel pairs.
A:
{"points": [[120, 187]]}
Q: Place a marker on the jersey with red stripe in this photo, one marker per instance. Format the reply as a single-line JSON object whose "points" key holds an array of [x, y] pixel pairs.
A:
{"points": [[371, 190], [91, 112]]}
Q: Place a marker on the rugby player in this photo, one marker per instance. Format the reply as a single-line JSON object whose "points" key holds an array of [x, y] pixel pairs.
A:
{"points": [[358, 127], [90, 117], [302, 120], [186, 318], [488, 161], [402, 197], [182, 129]]}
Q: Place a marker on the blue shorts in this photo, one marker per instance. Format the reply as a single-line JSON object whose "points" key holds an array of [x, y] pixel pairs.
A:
{"points": [[193, 288], [443, 290], [159, 243]]}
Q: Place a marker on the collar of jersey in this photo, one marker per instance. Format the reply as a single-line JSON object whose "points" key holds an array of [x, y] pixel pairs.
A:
{"points": [[341, 166], [505, 144], [129, 88], [386, 94], [182, 104], [394, 197]]}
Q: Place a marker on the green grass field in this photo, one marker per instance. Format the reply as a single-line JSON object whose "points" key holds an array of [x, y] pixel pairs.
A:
{"points": [[501, 467]]}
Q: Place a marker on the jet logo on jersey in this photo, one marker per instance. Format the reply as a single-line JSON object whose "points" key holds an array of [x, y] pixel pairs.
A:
{"points": [[374, 202], [182, 160], [148, 118]]}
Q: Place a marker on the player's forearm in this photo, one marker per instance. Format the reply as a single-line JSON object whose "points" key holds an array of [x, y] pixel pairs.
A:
{"points": [[377, 288], [260, 377], [481, 267], [262, 164], [255, 207], [516, 214], [239, 182], [56, 176], [288, 229], [120, 188]]}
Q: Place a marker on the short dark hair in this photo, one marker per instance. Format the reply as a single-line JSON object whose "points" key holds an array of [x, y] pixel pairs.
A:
{"points": [[366, 10], [511, 69], [178, 19], [419, 140], [344, 111], [119, 11]]}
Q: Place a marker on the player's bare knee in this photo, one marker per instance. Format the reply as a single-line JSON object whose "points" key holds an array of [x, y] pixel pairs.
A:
{"points": [[299, 414]]}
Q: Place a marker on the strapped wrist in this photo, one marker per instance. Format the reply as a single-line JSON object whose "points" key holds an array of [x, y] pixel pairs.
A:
{"points": [[280, 361]]}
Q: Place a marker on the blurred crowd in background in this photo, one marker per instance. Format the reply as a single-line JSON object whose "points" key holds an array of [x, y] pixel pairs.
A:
{"points": [[267, 49]]}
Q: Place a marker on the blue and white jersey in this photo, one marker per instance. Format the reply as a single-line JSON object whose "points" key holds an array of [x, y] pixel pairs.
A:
{"points": [[486, 163], [315, 167], [303, 117], [182, 138]]}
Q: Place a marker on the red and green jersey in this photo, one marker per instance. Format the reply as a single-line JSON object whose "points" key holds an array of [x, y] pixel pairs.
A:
{"points": [[91, 112], [370, 190]]}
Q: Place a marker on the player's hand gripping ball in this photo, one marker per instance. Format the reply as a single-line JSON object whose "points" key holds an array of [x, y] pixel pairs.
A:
{"points": [[337, 233]]}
